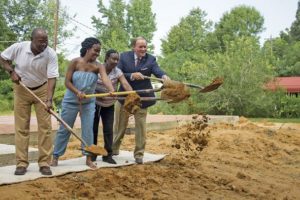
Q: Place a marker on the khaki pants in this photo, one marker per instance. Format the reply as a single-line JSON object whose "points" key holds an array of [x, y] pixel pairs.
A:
{"points": [[22, 111], [120, 125]]}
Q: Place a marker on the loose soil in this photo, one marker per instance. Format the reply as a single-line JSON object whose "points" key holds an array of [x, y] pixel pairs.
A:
{"points": [[132, 103], [243, 161], [174, 91]]}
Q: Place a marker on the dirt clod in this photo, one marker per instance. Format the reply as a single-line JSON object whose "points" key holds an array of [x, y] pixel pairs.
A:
{"points": [[132, 103]]}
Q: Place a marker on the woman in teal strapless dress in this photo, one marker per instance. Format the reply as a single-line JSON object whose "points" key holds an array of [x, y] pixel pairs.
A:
{"points": [[81, 79]]}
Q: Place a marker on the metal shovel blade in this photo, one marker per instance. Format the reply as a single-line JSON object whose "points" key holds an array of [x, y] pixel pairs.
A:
{"points": [[213, 86], [95, 150]]}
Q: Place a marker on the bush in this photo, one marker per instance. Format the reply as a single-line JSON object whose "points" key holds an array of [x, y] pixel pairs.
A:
{"points": [[287, 107]]}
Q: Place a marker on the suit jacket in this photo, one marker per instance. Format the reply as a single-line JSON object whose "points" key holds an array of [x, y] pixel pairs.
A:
{"points": [[146, 66]]}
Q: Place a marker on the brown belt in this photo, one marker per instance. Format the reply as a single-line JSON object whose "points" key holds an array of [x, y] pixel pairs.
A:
{"points": [[37, 87]]}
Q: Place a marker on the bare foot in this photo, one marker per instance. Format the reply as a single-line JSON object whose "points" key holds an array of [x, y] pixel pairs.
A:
{"points": [[90, 163]]}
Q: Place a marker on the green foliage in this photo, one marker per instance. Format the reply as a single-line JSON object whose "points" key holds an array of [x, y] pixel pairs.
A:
{"points": [[239, 22], [141, 20], [120, 21], [188, 35], [6, 87], [22, 16], [60, 90], [111, 27], [295, 28], [6, 95], [287, 106], [63, 64]]}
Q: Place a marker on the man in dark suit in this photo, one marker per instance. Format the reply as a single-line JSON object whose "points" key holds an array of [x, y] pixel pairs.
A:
{"points": [[135, 65]]}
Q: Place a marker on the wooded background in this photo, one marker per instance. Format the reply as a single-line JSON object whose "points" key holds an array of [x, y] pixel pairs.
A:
{"points": [[195, 50]]}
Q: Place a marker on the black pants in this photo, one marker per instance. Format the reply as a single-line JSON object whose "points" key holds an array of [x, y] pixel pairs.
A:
{"points": [[107, 118]]}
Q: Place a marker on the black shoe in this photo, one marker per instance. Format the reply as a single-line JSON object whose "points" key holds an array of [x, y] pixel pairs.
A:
{"points": [[94, 158], [45, 170], [20, 171], [109, 159], [139, 160]]}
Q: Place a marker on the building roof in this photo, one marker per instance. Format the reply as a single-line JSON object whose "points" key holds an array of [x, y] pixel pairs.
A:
{"points": [[290, 84]]}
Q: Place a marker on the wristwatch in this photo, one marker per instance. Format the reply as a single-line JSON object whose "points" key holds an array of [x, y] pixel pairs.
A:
{"points": [[11, 71]]}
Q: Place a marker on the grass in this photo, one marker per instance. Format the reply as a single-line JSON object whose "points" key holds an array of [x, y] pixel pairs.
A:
{"points": [[276, 120]]}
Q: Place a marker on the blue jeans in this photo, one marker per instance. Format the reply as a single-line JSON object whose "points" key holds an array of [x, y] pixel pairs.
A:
{"points": [[69, 114]]}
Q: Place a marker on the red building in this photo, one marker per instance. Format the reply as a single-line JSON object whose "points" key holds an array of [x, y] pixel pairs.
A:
{"points": [[290, 84]]}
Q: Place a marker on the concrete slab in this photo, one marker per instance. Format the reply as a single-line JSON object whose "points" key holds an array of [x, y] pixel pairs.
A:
{"points": [[73, 165], [7, 155]]}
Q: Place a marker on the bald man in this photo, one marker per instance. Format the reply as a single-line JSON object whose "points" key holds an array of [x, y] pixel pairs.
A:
{"points": [[37, 66]]}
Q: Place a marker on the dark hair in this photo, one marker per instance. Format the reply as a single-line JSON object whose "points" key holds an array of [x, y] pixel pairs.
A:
{"points": [[134, 40], [108, 53], [36, 31], [87, 44]]}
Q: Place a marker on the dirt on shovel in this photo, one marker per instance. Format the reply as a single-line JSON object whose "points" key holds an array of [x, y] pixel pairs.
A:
{"points": [[132, 103], [174, 91]]}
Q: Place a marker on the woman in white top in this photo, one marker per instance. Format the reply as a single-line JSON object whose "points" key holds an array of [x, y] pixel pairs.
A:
{"points": [[104, 107]]}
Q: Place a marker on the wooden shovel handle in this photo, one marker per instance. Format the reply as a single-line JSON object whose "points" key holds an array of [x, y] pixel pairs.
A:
{"points": [[122, 93], [162, 80], [54, 114]]}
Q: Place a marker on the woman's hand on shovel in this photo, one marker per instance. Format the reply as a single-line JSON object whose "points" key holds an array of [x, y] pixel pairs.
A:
{"points": [[80, 95]]}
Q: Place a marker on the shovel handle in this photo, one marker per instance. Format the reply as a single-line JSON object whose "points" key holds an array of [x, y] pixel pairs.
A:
{"points": [[121, 93], [109, 94], [54, 114], [162, 80], [142, 98]]}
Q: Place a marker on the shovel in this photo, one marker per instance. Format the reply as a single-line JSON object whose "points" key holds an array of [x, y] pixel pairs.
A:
{"points": [[93, 149], [122, 93], [142, 98], [211, 87]]}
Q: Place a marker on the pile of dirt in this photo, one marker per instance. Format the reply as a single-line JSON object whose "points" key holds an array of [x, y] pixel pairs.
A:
{"points": [[223, 161]]}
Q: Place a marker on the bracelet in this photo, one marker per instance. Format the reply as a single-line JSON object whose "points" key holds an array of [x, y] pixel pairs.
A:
{"points": [[50, 100]]}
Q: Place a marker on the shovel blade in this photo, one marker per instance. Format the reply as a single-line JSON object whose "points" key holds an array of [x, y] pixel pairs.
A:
{"points": [[95, 150], [213, 86]]}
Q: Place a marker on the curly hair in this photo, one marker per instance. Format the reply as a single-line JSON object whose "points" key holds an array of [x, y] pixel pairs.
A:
{"points": [[87, 44]]}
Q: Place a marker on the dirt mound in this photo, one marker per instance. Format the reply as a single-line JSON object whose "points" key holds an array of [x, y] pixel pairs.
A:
{"points": [[221, 161]]}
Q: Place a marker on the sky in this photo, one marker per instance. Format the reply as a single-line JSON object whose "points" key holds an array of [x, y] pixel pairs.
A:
{"points": [[278, 15]]}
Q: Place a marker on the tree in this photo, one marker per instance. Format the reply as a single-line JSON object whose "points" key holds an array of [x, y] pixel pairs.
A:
{"points": [[245, 71], [22, 16], [120, 22], [240, 21], [295, 28], [141, 20], [189, 35], [112, 29], [7, 37]]}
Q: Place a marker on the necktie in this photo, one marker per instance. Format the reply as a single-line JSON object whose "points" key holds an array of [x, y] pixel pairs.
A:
{"points": [[137, 61]]}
